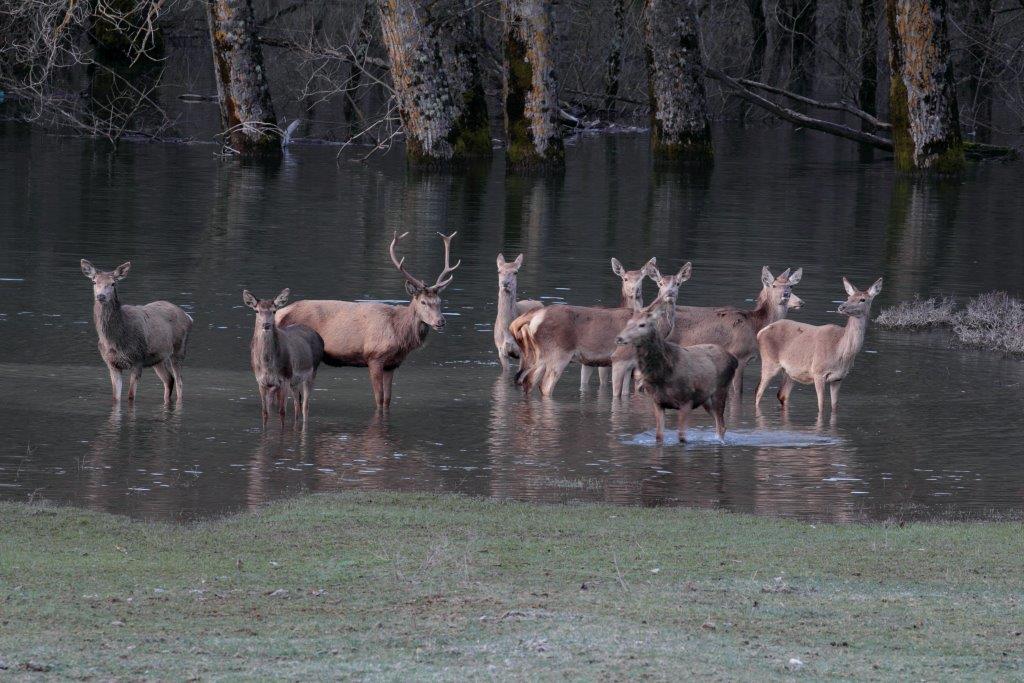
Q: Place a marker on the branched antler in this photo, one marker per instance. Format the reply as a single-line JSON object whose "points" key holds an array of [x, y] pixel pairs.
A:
{"points": [[447, 267], [400, 264]]}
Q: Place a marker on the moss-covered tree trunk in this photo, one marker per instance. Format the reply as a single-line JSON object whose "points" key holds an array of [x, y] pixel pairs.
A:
{"points": [[246, 111], [924, 112], [532, 132], [680, 130], [432, 50]]}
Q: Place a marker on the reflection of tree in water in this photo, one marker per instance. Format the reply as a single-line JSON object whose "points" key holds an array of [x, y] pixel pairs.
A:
{"points": [[920, 235]]}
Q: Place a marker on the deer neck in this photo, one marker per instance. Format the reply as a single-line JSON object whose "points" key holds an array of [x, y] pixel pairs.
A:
{"points": [[109, 318], [654, 358], [765, 312], [634, 302], [410, 330], [853, 337], [506, 307], [266, 347]]}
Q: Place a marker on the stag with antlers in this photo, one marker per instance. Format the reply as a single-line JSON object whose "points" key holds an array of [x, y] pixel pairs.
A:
{"points": [[373, 335]]}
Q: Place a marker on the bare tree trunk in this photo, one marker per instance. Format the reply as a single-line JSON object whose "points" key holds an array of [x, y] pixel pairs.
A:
{"points": [[979, 20], [679, 112], [799, 19], [922, 91], [530, 88], [432, 50], [613, 65], [759, 32], [246, 112], [868, 91], [351, 112]]}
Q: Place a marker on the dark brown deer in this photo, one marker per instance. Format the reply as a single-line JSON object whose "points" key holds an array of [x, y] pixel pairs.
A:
{"points": [[509, 309], [554, 336], [135, 337], [821, 355], [372, 335], [732, 328], [284, 359], [677, 377]]}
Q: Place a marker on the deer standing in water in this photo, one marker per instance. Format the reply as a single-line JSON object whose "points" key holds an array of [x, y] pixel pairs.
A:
{"points": [[733, 329], [372, 335], [815, 354], [284, 359], [135, 337], [509, 309], [678, 377], [551, 337]]}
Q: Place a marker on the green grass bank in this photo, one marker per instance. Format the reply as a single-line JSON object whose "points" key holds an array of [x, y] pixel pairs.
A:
{"points": [[401, 586]]}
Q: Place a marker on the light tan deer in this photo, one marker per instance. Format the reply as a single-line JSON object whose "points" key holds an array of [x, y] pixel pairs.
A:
{"points": [[552, 337], [678, 377], [821, 355], [733, 329], [372, 335], [135, 337], [509, 309], [284, 359]]}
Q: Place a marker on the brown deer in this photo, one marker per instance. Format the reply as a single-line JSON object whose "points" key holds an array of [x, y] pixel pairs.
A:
{"points": [[552, 337], [509, 309], [815, 354], [284, 359], [135, 337], [732, 328], [678, 377], [372, 335]]}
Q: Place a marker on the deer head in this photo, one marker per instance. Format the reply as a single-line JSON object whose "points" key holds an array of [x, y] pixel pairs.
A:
{"points": [[426, 300], [104, 283], [668, 285], [859, 303], [657, 318], [778, 291], [507, 273], [632, 282], [265, 308]]}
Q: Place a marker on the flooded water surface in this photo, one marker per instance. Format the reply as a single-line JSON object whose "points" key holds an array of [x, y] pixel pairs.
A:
{"points": [[927, 429]]}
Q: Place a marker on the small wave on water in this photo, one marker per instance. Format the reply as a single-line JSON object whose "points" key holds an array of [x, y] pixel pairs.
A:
{"points": [[706, 436]]}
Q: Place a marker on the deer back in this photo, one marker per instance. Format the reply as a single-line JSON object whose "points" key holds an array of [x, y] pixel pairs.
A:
{"points": [[587, 331]]}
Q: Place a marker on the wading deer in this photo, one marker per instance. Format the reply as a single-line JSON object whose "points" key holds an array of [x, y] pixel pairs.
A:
{"points": [[815, 354], [509, 309], [135, 337], [284, 359], [372, 335], [733, 329], [552, 337], [678, 377]]}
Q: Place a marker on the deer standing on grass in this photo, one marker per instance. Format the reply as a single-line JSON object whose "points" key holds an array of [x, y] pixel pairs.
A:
{"points": [[815, 354], [284, 359], [731, 328], [135, 337], [678, 377], [509, 309], [372, 335], [551, 337]]}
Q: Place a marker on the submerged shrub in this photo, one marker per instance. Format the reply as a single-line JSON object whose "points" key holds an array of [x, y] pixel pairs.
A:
{"points": [[918, 314], [992, 321]]}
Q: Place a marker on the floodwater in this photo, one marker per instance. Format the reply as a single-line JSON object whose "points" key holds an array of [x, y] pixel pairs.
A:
{"points": [[927, 430]]}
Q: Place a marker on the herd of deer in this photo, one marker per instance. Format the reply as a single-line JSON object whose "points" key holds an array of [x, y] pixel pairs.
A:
{"points": [[682, 357]]}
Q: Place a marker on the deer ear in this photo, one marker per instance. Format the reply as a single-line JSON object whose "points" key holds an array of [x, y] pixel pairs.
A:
{"points": [[518, 263], [795, 277], [121, 272], [875, 289], [282, 298], [617, 267], [88, 269], [684, 273], [501, 260], [412, 289], [651, 270], [766, 277], [249, 299], [848, 286]]}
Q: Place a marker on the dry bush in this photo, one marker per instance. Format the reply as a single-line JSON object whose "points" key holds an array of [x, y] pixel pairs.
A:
{"points": [[918, 314], [993, 321]]}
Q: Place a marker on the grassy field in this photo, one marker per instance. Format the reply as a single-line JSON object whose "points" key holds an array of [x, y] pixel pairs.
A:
{"points": [[403, 586]]}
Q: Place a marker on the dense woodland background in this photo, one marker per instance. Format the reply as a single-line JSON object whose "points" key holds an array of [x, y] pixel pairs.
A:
{"points": [[452, 76]]}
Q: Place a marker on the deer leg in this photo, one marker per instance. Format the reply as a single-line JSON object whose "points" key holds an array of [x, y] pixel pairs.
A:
{"points": [[721, 398], [684, 415], [264, 404], [386, 384], [602, 375], [834, 390], [307, 391], [282, 401], [585, 372], [503, 358], [552, 373], [819, 388], [176, 373], [133, 381], [768, 371], [377, 380], [659, 423], [165, 376], [296, 391], [638, 380], [116, 382], [737, 379], [620, 379]]}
